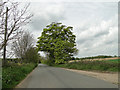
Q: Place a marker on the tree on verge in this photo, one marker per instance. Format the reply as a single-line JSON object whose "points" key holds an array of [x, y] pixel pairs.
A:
{"points": [[23, 48], [58, 40], [12, 18], [31, 55]]}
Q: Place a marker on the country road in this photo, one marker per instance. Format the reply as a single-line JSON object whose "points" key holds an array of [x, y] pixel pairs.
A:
{"points": [[50, 77]]}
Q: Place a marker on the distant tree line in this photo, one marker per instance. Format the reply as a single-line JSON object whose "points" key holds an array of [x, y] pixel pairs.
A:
{"points": [[93, 57]]}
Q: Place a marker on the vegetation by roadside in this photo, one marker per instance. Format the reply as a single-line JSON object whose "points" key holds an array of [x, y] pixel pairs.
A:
{"points": [[109, 66], [12, 75]]}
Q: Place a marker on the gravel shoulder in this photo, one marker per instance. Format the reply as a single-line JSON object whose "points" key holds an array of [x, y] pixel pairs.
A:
{"points": [[109, 77]]}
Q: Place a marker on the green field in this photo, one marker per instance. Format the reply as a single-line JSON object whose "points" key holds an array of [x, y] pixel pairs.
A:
{"points": [[114, 60]]}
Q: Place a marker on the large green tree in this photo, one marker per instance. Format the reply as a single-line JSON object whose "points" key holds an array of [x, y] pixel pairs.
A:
{"points": [[58, 41]]}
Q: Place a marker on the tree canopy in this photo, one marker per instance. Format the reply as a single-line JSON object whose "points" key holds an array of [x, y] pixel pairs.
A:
{"points": [[58, 41]]}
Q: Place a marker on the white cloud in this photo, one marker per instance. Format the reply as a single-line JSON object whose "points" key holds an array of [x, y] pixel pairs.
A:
{"points": [[99, 39], [45, 13], [67, 1]]}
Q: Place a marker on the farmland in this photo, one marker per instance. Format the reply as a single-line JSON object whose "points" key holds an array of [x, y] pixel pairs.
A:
{"points": [[109, 65], [97, 59]]}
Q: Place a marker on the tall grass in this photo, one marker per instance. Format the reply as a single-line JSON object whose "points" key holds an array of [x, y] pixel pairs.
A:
{"points": [[12, 75]]}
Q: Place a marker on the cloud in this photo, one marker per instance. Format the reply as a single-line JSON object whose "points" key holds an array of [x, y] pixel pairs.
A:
{"points": [[46, 13], [66, 1], [101, 38]]}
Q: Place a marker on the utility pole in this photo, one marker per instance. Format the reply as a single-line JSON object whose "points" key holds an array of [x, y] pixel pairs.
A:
{"points": [[5, 38]]}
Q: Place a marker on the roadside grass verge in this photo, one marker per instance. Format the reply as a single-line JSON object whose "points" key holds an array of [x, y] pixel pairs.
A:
{"points": [[12, 75], [109, 66]]}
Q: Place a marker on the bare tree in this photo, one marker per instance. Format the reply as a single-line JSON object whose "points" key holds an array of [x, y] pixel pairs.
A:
{"points": [[22, 45], [12, 18]]}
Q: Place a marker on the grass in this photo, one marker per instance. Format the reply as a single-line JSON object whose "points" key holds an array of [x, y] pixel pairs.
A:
{"points": [[11, 76], [109, 65], [114, 60]]}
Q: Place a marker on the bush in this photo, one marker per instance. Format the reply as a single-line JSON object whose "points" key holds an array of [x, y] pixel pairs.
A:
{"points": [[31, 55], [48, 62]]}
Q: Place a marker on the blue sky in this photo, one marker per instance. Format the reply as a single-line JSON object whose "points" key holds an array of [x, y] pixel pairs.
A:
{"points": [[95, 24]]}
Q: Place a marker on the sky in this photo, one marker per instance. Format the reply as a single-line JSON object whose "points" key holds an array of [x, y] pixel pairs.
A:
{"points": [[95, 24]]}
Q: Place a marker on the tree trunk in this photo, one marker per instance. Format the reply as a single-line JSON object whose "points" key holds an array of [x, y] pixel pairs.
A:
{"points": [[5, 38], [51, 57]]}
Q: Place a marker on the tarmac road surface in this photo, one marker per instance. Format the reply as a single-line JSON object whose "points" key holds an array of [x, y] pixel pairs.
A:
{"points": [[51, 77]]}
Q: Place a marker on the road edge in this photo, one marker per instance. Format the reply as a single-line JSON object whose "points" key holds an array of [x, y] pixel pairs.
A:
{"points": [[17, 86], [95, 76]]}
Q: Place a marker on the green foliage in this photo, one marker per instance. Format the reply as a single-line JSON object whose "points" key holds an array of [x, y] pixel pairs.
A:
{"points": [[31, 55], [48, 62], [11, 76], [92, 65], [15, 60], [58, 40]]}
